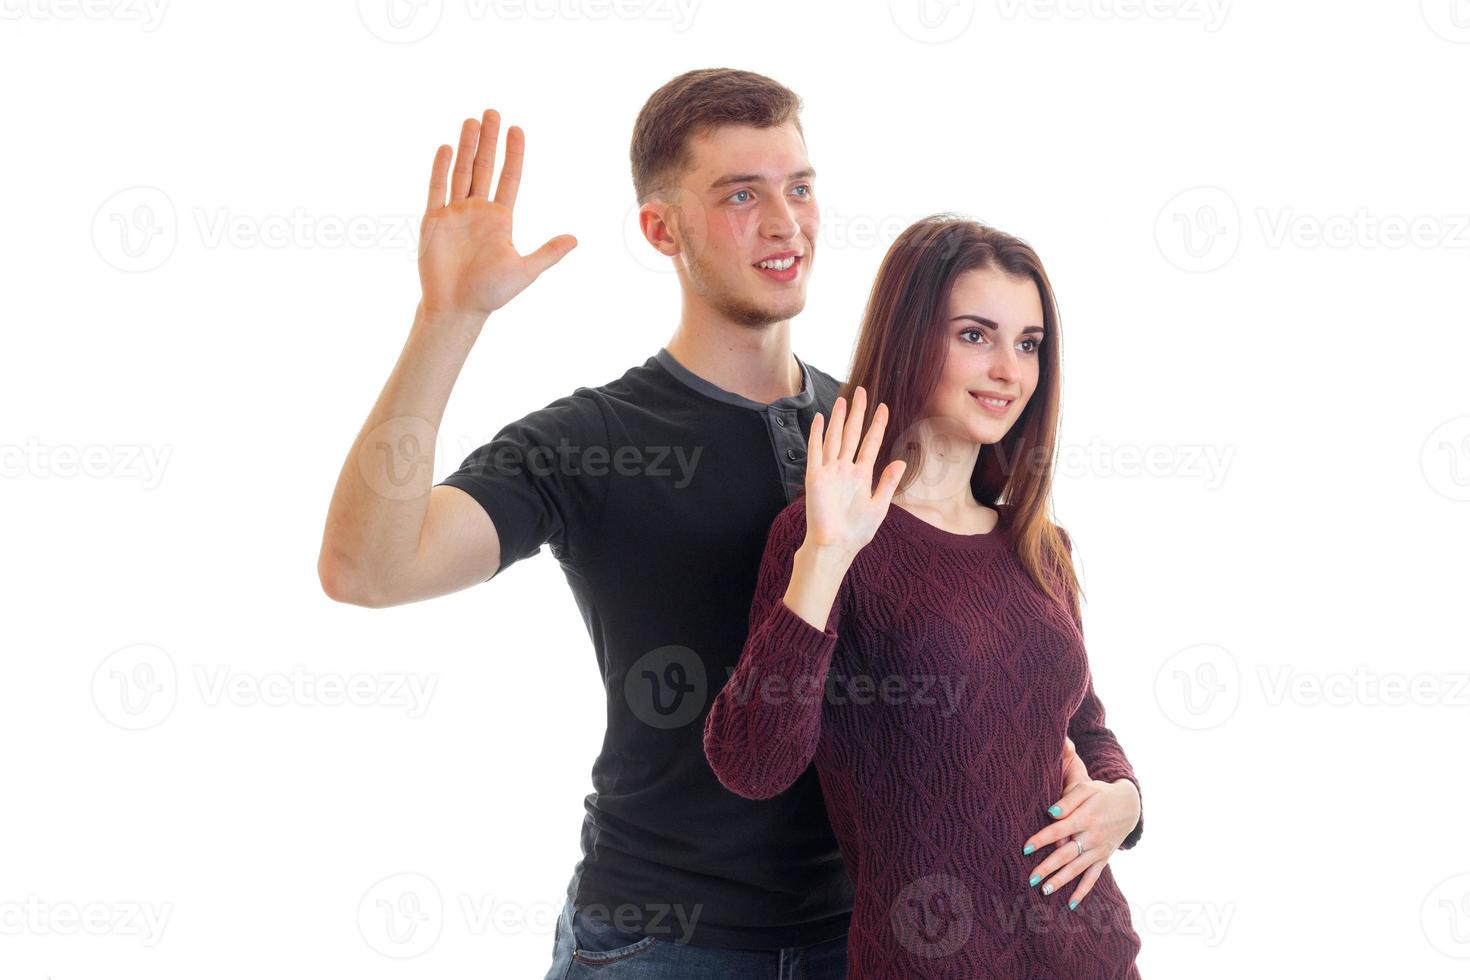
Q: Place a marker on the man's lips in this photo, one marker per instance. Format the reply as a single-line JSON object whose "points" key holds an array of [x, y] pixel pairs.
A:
{"points": [[793, 267]]}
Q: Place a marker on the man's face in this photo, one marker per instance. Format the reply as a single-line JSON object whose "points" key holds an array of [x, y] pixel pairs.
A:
{"points": [[742, 224]]}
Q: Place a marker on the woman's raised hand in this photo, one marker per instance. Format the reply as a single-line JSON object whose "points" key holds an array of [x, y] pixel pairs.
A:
{"points": [[843, 508], [467, 264]]}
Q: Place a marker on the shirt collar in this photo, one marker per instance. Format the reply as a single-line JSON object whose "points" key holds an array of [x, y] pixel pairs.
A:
{"points": [[801, 400]]}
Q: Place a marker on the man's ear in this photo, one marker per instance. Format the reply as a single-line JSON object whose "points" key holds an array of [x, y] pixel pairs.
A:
{"points": [[654, 219]]}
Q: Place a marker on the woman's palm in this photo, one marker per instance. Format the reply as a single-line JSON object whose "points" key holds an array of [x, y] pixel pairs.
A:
{"points": [[843, 508]]}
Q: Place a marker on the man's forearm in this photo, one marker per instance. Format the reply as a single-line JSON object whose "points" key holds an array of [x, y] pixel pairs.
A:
{"points": [[382, 493]]}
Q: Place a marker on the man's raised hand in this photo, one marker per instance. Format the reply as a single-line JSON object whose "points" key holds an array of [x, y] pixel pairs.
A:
{"points": [[467, 264]]}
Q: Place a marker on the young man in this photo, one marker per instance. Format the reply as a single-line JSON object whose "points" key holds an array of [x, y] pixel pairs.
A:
{"points": [[655, 492]]}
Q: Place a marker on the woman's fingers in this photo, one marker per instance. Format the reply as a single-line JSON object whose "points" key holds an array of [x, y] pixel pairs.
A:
{"points": [[484, 163], [814, 444], [439, 177], [1064, 852], [1080, 863], [1059, 829], [832, 449], [852, 432], [868, 453], [888, 483], [1073, 799], [1089, 878]]}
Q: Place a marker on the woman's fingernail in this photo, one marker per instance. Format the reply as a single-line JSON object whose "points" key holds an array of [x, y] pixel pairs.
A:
{"points": [[1046, 888], [1055, 809], [1034, 880], [1072, 904], [1027, 849]]}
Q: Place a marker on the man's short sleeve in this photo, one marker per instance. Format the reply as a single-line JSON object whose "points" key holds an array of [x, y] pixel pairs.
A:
{"points": [[539, 479]]}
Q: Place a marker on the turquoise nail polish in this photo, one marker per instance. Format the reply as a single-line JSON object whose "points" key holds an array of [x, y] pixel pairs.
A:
{"points": [[1034, 880], [1072, 904], [1028, 849], [1055, 809]]}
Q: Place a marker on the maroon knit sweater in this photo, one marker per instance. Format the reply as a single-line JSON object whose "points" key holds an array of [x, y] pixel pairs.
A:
{"points": [[934, 706]]}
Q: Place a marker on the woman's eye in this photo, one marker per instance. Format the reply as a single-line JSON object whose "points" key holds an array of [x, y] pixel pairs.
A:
{"points": [[1035, 345], [977, 333]]}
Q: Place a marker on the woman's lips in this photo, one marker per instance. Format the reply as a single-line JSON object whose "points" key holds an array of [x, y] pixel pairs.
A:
{"points": [[992, 409]]}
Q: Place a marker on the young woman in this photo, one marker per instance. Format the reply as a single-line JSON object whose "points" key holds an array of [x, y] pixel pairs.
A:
{"points": [[921, 641]]}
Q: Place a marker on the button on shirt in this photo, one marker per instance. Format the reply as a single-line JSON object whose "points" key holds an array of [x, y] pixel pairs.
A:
{"points": [[655, 493]]}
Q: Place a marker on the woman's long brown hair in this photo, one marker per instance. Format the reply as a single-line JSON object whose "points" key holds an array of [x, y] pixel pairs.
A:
{"points": [[899, 360]]}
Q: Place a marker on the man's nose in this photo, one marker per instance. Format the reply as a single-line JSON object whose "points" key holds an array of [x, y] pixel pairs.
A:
{"points": [[778, 221]]}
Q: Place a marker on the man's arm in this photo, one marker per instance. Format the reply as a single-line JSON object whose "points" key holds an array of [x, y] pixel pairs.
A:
{"points": [[391, 536]]}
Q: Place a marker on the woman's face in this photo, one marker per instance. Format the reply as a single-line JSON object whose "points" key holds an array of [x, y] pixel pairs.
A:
{"points": [[992, 357]]}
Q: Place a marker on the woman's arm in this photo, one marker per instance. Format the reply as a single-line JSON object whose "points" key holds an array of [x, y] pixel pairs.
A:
{"points": [[1101, 752], [763, 727]]}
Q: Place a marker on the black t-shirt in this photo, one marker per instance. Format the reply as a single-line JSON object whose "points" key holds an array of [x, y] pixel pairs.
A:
{"points": [[655, 493]]}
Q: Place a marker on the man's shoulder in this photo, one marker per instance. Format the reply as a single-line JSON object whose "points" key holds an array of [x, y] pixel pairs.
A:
{"points": [[824, 386]]}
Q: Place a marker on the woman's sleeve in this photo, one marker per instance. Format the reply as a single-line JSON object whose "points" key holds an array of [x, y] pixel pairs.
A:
{"points": [[762, 730], [1101, 753], [1096, 744]]}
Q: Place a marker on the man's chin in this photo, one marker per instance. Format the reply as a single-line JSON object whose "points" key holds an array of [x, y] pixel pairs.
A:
{"points": [[764, 314]]}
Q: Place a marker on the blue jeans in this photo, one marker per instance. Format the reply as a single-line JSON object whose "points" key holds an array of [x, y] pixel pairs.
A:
{"points": [[589, 946]]}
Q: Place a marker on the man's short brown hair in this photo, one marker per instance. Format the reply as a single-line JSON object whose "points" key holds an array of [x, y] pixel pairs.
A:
{"points": [[693, 104]]}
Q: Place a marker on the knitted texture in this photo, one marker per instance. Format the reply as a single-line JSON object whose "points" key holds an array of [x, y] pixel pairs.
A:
{"points": [[934, 707]]}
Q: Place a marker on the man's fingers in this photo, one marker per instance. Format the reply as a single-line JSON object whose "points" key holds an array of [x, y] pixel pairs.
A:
{"points": [[510, 174], [550, 254], [439, 177], [459, 183], [484, 164]]}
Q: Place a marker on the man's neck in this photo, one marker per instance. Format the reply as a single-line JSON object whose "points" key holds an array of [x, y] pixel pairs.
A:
{"points": [[754, 362]]}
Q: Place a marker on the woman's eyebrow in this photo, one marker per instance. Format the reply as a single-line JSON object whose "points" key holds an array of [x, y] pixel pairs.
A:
{"points": [[992, 324]]}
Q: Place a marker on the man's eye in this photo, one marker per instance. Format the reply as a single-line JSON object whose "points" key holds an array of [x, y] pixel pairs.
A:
{"points": [[732, 197], [806, 188]]}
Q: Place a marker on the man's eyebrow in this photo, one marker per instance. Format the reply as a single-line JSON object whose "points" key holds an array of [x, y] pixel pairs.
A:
{"points": [[803, 174], [992, 324]]}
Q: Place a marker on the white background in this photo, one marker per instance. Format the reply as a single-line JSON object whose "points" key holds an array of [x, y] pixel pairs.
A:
{"points": [[1255, 217]]}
